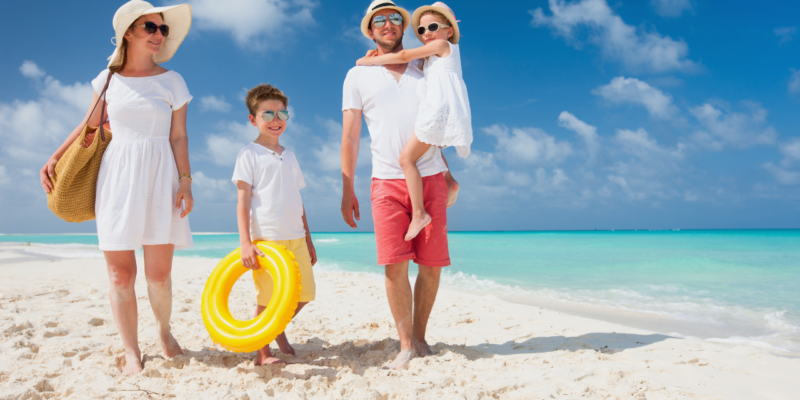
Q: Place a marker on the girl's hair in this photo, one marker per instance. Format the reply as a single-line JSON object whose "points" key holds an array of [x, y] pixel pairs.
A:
{"points": [[436, 14], [123, 47]]}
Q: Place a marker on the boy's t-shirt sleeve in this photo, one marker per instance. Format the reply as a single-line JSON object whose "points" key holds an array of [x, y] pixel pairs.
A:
{"points": [[351, 97], [245, 167], [298, 174]]}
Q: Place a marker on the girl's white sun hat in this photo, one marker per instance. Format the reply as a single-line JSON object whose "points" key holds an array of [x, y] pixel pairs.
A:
{"points": [[178, 18], [378, 5], [439, 7]]}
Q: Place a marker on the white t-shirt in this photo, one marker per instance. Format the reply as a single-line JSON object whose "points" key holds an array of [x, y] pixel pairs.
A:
{"points": [[390, 109], [276, 209]]}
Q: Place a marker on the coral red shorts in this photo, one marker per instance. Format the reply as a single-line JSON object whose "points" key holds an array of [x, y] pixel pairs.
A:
{"points": [[391, 212]]}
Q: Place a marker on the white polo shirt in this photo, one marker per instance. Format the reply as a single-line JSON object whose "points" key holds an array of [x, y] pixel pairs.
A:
{"points": [[276, 209], [390, 109]]}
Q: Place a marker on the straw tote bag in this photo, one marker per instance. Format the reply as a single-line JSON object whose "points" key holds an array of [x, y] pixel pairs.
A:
{"points": [[75, 180]]}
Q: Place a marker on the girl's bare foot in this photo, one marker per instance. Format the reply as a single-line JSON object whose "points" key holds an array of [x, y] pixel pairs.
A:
{"points": [[402, 361], [170, 346], [452, 192], [417, 224], [129, 363], [283, 344]]}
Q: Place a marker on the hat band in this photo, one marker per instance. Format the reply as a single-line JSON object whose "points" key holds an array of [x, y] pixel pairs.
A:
{"points": [[383, 5]]}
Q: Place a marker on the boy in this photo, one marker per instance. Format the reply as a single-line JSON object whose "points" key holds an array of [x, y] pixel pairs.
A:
{"points": [[269, 180]]}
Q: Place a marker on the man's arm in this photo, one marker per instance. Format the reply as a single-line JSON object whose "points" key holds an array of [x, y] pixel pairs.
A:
{"points": [[351, 136]]}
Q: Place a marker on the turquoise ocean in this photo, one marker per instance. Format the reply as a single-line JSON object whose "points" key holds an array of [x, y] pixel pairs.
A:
{"points": [[735, 286]]}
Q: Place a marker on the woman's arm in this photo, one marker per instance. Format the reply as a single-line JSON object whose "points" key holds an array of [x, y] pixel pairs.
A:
{"points": [[439, 47], [179, 141], [310, 244], [49, 168], [249, 250]]}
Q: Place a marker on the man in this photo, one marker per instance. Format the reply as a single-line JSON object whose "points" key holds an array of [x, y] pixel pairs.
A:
{"points": [[387, 98]]}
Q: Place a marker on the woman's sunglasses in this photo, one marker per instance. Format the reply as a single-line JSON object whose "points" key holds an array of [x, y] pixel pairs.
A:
{"points": [[380, 20], [433, 27], [268, 116], [151, 28]]}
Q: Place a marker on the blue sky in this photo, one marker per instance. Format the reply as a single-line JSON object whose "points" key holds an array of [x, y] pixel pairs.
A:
{"points": [[588, 114]]}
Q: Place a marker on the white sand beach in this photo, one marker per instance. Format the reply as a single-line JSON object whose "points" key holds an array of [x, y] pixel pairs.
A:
{"points": [[59, 341]]}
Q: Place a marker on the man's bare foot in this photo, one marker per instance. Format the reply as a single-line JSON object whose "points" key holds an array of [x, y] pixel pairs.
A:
{"points": [[422, 348], [283, 344], [402, 360], [129, 363], [452, 192], [417, 224], [170, 346]]}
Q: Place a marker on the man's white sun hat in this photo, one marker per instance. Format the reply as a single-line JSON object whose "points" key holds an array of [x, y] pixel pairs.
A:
{"points": [[378, 5], [439, 7], [178, 18]]}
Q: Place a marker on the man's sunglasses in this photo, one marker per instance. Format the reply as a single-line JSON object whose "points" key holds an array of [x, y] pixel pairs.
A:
{"points": [[433, 27], [268, 116], [151, 28], [380, 20]]}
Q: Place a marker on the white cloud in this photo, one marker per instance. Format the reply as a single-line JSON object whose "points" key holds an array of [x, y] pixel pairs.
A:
{"points": [[31, 70], [587, 132], [640, 144], [528, 145], [791, 150], [794, 82], [636, 49], [214, 103], [786, 33], [253, 22], [632, 90], [671, 8], [722, 128], [783, 176]]}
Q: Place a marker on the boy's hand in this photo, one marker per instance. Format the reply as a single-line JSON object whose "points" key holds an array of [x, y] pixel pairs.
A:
{"points": [[249, 253]]}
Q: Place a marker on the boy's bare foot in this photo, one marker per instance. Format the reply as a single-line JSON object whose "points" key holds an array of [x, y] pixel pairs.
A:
{"points": [[402, 360], [283, 344], [265, 357], [452, 192], [422, 348], [129, 363], [170, 346], [417, 224]]}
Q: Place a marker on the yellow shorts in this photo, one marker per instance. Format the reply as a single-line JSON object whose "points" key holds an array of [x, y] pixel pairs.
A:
{"points": [[263, 280]]}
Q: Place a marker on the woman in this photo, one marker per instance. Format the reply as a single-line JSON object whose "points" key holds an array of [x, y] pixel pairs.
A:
{"points": [[144, 185]]}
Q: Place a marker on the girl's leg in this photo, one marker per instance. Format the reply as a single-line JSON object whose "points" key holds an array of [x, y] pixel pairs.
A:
{"points": [[158, 271], [264, 354], [408, 161], [121, 267]]}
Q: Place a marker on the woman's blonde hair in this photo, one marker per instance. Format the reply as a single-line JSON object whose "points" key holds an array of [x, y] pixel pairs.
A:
{"points": [[123, 47]]}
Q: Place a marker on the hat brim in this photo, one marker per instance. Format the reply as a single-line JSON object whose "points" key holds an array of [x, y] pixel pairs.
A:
{"points": [[367, 18], [450, 18], [179, 19]]}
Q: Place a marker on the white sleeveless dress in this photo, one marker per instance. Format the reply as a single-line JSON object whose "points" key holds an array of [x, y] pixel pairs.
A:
{"points": [[444, 118], [138, 181]]}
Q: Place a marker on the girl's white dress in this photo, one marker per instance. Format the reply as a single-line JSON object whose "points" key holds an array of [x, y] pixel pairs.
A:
{"points": [[444, 118], [138, 181]]}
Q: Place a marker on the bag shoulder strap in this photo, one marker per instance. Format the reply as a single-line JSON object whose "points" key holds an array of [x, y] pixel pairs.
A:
{"points": [[103, 109]]}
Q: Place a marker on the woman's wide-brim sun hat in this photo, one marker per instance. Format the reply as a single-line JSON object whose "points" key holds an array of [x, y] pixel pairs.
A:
{"points": [[178, 18], [444, 10], [378, 5]]}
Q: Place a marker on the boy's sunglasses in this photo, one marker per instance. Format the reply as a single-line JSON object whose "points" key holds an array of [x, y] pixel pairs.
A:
{"points": [[380, 20], [433, 27], [268, 116], [151, 28]]}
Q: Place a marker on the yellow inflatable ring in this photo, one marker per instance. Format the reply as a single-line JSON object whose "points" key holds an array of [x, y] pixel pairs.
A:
{"points": [[246, 336]]}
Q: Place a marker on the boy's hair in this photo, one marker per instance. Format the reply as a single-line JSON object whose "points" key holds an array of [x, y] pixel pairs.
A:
{"points": [[261, 93]]}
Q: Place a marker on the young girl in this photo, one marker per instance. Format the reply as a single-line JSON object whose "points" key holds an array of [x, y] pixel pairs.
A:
{"points": [[444, 117]]}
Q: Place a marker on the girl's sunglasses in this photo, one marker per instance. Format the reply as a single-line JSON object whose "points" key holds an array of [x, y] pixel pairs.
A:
{"points": [[268, 116], [433, 27], [380, 20], [151, 28]]}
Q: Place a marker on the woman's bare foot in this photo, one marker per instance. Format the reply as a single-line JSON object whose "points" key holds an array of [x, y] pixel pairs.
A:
{"points": [[417, 224], [130, 363], [265, 357], [402, 360], [422, 348], [283, 344], [452, 192], [170, 346]]}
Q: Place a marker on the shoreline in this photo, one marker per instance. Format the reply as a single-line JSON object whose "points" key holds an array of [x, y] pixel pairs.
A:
{"points": [[60, 342]]}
